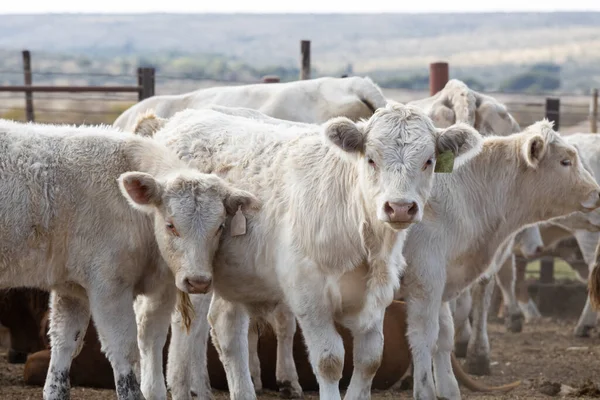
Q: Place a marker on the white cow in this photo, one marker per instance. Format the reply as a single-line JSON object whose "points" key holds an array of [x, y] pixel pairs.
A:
{"points": [[311, 101], [87, 213], [336, 202], [515, 181], [456, 102], [584, 227]]}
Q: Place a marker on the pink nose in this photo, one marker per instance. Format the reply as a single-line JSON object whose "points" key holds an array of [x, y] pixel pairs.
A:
{"points": [[197, 284], [401, 212]]}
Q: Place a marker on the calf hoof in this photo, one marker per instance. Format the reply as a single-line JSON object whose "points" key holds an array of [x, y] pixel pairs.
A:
{"points": [[478, 365], [460, 349], [16, 357], [514, 323], [583, 331], [289, 390]]}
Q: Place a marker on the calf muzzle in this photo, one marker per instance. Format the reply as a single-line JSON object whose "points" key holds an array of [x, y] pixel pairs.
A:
{"points": [[197, 284], [401, 212]]}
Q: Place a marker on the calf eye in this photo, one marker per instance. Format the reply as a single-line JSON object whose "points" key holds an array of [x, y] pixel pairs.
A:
{"points": [[221, 227], [427, 164], [171, 229], [372, 163], [566, 162]]}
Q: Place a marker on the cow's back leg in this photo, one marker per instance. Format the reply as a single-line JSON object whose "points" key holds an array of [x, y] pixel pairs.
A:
{"points": [[587, 320], [229, 331], [478, 352], [367, 354], [187, 369], [445, 381], [505, 277], [69, 318], [526, 304], [462, 309], [114, 317], [286, 374], [254, 361], [153, 317]]}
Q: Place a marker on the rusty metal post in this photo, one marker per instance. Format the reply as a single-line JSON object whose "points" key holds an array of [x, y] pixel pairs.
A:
{"points": [[27, 80], [594, 112], [438, 76], [305, 59], [270, 79]]}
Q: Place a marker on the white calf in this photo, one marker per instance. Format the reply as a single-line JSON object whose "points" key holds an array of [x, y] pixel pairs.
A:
{"points": [[70, 222]]}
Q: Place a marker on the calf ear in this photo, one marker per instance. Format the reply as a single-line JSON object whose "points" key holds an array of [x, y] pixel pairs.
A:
{"points": [[236, 198], [345, 134], [462, 140], [148, 124], [534, 149], [141, 190]]}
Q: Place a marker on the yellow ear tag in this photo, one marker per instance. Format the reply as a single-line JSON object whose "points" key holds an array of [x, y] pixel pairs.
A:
{"points": [[444, 162], [238, 223]]}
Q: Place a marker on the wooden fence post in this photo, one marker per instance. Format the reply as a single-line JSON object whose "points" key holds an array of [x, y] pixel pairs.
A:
{"points": [[27, 80], [146, 79], [305, 59], [547, 263], [594, 112], [438, 76]]}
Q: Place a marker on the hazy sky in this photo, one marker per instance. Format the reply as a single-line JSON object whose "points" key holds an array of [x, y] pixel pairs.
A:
{"points": [[337, 6]]}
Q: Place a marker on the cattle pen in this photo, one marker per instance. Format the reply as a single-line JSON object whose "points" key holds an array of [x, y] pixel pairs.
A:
{"points": [[100, 97]]}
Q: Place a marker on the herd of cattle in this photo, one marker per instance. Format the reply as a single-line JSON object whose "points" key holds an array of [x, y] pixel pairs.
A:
{"points": [[303, 227]]}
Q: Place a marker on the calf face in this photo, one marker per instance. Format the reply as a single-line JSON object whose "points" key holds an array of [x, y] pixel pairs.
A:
{"points": [[553, 169], [190, 210], [396, 152]]}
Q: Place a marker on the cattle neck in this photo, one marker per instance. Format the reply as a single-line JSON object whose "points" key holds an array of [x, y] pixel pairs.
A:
{"points": [[478, 207]]}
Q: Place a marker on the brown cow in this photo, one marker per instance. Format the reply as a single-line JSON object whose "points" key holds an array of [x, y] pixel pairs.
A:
{"points": [[21, 311], [91, 368]]}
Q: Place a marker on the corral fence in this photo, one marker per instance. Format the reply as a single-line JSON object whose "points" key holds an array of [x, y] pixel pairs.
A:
{"points": [[65, 103]]}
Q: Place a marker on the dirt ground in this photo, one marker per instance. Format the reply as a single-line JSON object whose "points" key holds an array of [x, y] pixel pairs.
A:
{"points": [[544, 351]]}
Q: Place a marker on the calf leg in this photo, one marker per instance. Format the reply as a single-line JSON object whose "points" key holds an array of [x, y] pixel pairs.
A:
{"points": [[115, 321], [187, 370], [153, 326], [229, 331], [286, 374], [368, 351], [445, 381], [526, 304], [423, 307], [462, 323], [505, 277], [587, 320], [478, 353], [69, 318], [253, 334]]}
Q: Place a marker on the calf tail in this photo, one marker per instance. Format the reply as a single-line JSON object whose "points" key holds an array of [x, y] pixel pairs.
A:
{"points": [[186, 309], [475, 386], [148, 123], [594, 281]]}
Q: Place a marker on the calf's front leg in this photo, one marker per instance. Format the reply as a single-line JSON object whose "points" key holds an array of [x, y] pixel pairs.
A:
{"points": [[153, 319], [229, 331], [505, 277], [69, 319], [367, 354]]}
